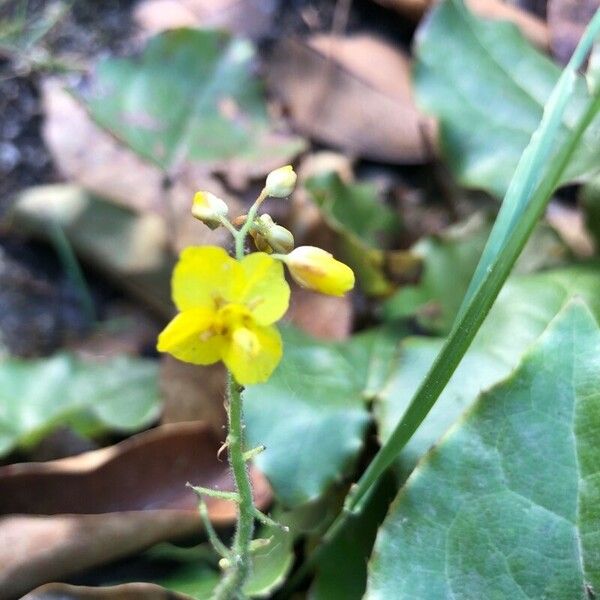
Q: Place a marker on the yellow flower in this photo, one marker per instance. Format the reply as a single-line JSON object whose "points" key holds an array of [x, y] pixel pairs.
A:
{"points": [[316, 269], [227, 310]]}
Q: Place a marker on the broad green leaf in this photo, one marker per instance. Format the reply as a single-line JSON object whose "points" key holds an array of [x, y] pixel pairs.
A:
{"points": [[190, 96], [522, 311], [312, 415], [36, 396], [449, 261], [506, 506], [487, 86], [362, 222]]}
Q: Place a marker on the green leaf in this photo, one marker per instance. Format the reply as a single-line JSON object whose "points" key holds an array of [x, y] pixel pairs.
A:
{"points": [[449, 261], [507, 505], [523, 310], [311, 415], [487, 86], [190, 96], [362, 221], [36, 396]]}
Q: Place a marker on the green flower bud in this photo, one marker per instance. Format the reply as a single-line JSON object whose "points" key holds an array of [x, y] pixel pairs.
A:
{"points": [[280, 182]]}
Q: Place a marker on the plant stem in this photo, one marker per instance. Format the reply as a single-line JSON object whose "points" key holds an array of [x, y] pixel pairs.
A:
{"points": [[240, 237], [237, 573]]}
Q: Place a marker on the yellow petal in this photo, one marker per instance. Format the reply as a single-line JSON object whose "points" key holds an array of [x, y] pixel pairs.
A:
{"points": [[188, 337], [252, 353], [265, 291], [317, 270], [204, 277]]}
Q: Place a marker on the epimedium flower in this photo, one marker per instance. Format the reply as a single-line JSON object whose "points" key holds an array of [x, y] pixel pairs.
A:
{"points": [[316, 269], [227, 310]]}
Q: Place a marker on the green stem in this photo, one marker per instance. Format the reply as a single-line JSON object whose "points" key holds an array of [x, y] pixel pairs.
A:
{"points": [[237, 573], [240, 237]]}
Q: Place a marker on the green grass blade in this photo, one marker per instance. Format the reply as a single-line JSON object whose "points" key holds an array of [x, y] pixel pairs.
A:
{"points": [[526, 201]]}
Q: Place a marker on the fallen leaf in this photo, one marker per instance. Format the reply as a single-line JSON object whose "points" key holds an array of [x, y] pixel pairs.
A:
{"points": [[114, 172], [569, 223], [531, 26], [567, 19], [324, 317], [248, 18], [193, 393], [327, 81], [71, 514], [128, 591]]}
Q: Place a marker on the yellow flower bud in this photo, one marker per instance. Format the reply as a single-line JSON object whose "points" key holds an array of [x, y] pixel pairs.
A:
{"points": [[280, 182], [317, 270], [208, 208]]}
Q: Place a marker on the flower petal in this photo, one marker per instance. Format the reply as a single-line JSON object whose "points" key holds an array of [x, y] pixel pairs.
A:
{"points": [[253, 353], [203, 275], [265, 292], [188, 337]]}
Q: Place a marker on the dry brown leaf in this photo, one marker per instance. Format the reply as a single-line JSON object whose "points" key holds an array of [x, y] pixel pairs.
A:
{"points": [[334, 94], [323, 317], [250, 18], [569, 223], [128, 591], [193, 393], [90, 156], [67, 515], [567, 20], [531, 26]]}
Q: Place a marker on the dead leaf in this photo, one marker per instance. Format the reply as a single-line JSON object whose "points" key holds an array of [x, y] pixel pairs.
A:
{"points": [[88, 155], [71, 514], [334, 94], [324, 317], [567, 20], [128, 591], [531, 26], [569, 223], [193, 393], [249, 18]]}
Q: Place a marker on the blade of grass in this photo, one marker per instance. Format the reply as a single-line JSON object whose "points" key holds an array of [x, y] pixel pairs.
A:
{"points": [[525, 204]]}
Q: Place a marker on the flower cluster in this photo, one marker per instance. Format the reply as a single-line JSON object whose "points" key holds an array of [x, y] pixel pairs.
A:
{"points": [[228, 305]]}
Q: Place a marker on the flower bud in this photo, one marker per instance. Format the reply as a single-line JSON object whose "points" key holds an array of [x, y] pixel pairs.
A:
{"points": [[280, 182], [280, 239], [208, 208], [269, 237], [317, 270]]}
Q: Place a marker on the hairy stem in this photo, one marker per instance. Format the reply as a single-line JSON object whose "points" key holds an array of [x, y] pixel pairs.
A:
{"points": [[237, 573]]}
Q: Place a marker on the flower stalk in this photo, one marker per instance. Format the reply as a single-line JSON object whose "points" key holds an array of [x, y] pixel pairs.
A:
{"points": [[238, 569], [227, 311]]}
